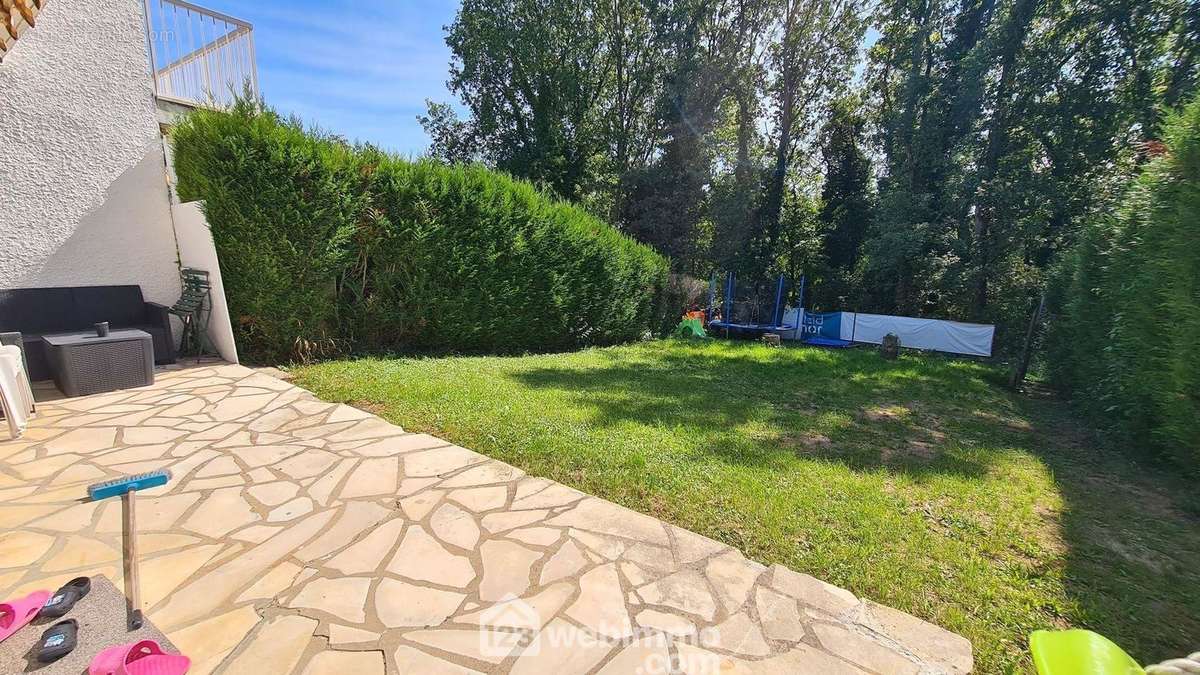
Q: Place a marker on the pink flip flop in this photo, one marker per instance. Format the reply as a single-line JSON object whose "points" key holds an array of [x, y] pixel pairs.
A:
{"points": [[138, 658], [16, 614]]}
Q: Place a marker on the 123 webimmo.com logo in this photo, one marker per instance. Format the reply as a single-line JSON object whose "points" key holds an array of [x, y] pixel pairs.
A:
{"points": [[517, 628]]}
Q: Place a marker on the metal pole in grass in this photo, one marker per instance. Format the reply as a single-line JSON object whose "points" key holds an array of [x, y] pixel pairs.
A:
{"points": [[776, 318], [800, 306], [729, 286], [1022, 369]]}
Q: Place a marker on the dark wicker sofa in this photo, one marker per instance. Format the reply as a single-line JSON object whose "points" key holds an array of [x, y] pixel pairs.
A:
{"points": [[26, 314]]}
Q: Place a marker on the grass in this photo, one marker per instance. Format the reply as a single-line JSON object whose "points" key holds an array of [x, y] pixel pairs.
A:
{"points": [[920, 483]]}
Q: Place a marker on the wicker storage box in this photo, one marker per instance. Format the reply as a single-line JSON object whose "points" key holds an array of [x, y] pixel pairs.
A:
{"points": [[83, 363]]}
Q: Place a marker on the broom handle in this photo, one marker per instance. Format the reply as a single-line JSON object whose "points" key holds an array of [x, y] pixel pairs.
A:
{"points": [[132, 582]]}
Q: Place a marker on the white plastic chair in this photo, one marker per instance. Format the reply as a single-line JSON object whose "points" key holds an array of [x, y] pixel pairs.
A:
{"points": [[16, 394]]}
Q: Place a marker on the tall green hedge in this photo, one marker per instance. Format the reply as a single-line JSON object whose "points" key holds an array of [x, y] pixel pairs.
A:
{"points": [[1126, 343], [328, 248]]}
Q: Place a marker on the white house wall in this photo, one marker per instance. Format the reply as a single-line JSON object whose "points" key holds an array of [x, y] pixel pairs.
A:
{"points": [[83, 197]]}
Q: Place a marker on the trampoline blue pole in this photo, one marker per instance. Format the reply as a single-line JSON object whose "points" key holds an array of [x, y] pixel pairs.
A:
{"points": [[800, 309], [729, 287], [777, 317]]}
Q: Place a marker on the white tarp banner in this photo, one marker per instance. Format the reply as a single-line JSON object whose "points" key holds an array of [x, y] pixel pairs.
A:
{"points": [[954, 337], [944, 336]]}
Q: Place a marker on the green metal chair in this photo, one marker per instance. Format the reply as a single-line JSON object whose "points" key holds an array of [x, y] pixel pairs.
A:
{"points": [[194, 309]]}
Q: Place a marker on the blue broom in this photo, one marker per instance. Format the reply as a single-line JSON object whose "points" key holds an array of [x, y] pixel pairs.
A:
{"points": [[125, 487]]}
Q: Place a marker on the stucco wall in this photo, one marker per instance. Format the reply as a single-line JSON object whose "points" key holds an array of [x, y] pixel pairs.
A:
{"points": [[83, 196]]}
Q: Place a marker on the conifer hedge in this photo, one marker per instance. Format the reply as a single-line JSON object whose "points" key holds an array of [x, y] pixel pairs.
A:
{"points": [[1126, 343], [328, 248]]}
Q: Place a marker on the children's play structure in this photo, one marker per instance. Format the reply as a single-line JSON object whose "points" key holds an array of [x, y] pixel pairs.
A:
{"points": [[691, 328], [746, 314]]}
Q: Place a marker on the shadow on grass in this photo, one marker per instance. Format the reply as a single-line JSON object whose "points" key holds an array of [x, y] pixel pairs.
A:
{"points": [[762, 407], [1132, 531], [1131, 565]]}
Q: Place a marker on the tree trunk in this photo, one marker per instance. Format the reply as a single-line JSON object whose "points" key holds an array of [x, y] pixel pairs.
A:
{"points": [[1022, 368], [745, 131], [1012, 41], [772, 207]]}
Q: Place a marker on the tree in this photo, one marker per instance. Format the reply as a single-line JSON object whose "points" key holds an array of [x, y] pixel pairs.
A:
{"points": [[665, 203], [707, 50], [450, 138], [736, 193], [1181, 73], [637, 67], [845, 214], [532, 74], [799, 252], [702, 127], [811, 55], [1000, 137]]}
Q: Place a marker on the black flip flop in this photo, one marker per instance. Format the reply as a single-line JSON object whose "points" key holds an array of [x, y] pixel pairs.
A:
{"points": [[64, 599], [58, 641]]}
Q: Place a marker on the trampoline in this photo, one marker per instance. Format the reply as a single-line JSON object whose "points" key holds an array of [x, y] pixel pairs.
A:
{"points": [[750, 323]]}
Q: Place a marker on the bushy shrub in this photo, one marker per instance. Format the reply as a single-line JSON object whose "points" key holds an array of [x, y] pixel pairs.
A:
{"points": [[681, 294], [336, 248], [1127, 341]]}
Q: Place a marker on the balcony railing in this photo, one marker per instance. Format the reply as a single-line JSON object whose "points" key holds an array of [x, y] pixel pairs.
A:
{"points": [[16, 16], [199, 57]]}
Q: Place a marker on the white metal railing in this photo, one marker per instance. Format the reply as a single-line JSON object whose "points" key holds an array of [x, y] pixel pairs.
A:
{"points": [[16, 16], [199, 57]]}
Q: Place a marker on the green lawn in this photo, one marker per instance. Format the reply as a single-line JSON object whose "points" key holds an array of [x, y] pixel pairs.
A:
{"points": [[919, 483]]}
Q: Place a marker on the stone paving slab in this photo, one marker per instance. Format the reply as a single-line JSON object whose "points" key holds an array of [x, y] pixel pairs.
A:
{"points": [[300, 536]]}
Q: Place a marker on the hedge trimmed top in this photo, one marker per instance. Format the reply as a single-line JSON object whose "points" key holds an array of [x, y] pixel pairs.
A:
{"points": [[328, 248]]}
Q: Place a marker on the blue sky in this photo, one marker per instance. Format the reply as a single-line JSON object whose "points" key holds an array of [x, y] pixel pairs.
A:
{"points": [[362, 69]]}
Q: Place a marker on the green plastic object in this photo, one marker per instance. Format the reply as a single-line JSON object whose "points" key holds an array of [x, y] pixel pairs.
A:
{"points": [[1079, 652], [690, 328]]}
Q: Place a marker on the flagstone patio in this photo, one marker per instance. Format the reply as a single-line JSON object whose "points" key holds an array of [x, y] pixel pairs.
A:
{"points": [[300, 536]]}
